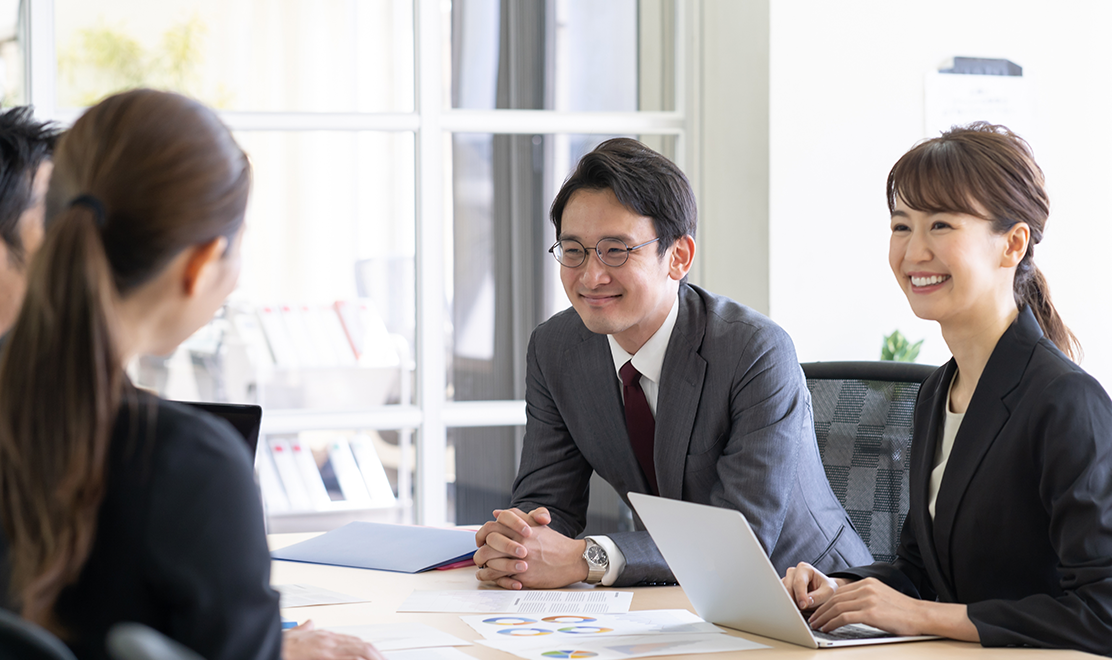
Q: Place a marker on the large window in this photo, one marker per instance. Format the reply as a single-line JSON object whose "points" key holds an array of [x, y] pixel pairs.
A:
{"points": [[405, 155], [240, 55]]}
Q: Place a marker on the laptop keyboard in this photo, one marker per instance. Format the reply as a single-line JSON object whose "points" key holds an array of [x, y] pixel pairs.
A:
{"points": [[852, 631]]}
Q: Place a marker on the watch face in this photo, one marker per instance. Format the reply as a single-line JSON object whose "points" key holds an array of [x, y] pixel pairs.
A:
{"points": [[596, 555]]}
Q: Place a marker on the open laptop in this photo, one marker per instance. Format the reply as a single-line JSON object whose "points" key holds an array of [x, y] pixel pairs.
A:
{"points": [[728, 578], [244, 418]]}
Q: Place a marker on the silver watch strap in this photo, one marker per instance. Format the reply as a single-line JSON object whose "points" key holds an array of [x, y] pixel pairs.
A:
{"points": [[595, 572]]}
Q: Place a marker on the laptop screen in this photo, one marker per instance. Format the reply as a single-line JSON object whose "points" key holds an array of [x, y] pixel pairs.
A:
{"points": [[244, 418]]}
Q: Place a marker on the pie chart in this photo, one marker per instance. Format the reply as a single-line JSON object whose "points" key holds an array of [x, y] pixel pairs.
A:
{"points": [[524, 632], [508, 621], [567, 618]]}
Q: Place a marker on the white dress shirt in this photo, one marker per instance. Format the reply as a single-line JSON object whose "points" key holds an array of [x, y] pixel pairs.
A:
{"points": [[649, 361], [942, 453]]}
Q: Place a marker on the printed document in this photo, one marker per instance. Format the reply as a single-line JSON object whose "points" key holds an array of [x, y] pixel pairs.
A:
{"points": [[582, 601]]}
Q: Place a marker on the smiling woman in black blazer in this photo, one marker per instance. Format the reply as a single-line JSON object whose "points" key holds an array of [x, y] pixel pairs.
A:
{"points": [[1008, 540]]}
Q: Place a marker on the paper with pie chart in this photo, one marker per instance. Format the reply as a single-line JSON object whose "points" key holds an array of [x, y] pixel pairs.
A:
{"points": [[621, 648], [574, 627], [533, 602]]}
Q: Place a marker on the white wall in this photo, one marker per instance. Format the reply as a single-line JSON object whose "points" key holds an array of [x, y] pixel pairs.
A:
{"points": [[731, 180], [846, 100]]}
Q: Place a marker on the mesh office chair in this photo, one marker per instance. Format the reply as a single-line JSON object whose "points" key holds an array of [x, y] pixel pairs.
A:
{"points": [[134, 641], [863, 417], [20, 639]]}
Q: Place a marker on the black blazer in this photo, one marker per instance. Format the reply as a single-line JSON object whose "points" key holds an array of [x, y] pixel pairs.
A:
{"points": [[1023, 525], [179, 544]]}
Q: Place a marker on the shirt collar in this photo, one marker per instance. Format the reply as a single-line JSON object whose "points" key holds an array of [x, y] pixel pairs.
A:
{"points": [[649, 360]]}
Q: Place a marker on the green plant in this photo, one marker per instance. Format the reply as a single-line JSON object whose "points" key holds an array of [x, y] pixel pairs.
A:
{"points": [[104, 59], [897, 348]]}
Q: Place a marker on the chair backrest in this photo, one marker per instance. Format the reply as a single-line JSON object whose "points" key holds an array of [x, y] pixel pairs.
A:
{"points": [[863, 418], [24, 640], [134, 641]]}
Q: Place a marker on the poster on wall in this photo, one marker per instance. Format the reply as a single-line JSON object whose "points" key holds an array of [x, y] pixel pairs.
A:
{"points": [[955, 97]]}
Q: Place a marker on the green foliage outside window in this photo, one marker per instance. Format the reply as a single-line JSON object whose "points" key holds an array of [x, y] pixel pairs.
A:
{"points": [[897, 348], [103, 60]]}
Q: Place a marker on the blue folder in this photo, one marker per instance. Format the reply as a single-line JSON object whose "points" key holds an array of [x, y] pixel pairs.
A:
{"points": [[399, 548]]}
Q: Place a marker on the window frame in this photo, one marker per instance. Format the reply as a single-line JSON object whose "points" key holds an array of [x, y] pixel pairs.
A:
{"points": [[432, 414]]}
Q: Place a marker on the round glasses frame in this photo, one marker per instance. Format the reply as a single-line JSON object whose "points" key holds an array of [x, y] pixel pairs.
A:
{"points": [[611, 251]]}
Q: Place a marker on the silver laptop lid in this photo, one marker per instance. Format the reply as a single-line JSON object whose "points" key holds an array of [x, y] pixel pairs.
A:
{"points": [[726, 574]]}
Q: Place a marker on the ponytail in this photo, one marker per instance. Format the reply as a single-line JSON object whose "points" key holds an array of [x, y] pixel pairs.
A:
{"points": [[60, 388], [1031, 289], [138, 178]]}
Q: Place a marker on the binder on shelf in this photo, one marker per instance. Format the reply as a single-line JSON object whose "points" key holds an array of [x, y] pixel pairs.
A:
{"points": [[353, 327], [278, 337], [327, 331], [369, 338], [290, 474], [374, 474], [310, 474], [181, 377], [248, 327], [338, 336], [318, 336], [274, 495], [308, 353], [347, 473]]}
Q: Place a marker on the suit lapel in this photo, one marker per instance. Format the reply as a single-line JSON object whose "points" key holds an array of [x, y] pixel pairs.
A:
{"points": [[681, 384], [984, 418], [602, 435], [922, 457]]}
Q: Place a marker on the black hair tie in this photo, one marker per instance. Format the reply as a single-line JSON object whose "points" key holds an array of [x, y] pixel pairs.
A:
{"points": [[90, 202]]}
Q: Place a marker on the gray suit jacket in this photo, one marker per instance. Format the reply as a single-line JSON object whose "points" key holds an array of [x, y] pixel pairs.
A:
{"points": [[733, 429]]}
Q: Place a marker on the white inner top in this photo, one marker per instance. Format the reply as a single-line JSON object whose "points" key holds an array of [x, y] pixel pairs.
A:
{"points": [[942, 452]]}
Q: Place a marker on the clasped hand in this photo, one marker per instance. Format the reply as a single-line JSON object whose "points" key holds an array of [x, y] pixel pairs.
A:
{"points": [[519, 549]]}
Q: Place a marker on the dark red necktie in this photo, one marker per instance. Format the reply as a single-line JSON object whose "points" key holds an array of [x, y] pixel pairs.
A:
{"points": [[639, 421]]}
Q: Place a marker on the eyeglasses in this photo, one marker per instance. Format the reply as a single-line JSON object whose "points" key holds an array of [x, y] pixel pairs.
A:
{"points": [[611, 251]]}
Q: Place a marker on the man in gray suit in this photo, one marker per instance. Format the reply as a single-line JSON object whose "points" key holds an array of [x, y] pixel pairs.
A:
{"points": [[660, 387]]}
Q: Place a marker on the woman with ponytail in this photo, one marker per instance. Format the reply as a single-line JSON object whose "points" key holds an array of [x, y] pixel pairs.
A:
{"points": [[116, 505], [1008, 539]]}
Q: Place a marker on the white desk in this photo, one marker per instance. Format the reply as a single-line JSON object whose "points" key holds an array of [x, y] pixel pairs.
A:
{"points": [[388, 590]]}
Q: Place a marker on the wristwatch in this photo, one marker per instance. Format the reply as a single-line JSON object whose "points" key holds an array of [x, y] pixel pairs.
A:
{"points": [[597, 561]]}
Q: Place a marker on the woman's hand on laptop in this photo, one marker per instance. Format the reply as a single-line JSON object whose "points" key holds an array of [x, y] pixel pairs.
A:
{"points": [[874, 603], [808, 587]]}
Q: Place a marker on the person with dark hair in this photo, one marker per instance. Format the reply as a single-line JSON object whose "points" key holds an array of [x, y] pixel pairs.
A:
{"points": [[659, 387], [116, 505], [1008, 540], [25, 166]]}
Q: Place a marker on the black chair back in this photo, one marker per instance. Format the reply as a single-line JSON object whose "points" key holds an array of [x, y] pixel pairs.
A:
{"points": [[22, 640], [863, 418], [134, 641]]}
